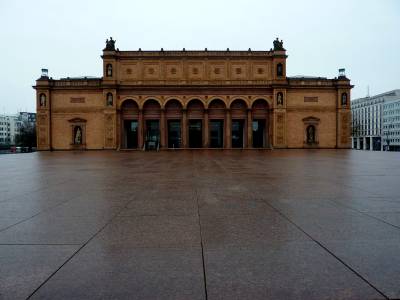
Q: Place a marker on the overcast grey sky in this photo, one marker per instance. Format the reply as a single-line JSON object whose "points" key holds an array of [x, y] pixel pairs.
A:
{"points": [[67, 37]]}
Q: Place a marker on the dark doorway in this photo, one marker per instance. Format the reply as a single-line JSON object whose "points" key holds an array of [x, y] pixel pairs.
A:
{"points": [[152, 134], [237, 133], [174, 134], [258, 133], [131, 134], [195, 134], [216, 133]]}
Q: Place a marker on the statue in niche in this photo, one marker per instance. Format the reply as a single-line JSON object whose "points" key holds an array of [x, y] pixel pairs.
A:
{"points": [[278, 45], [344, 99], [279, 100], [109, 70], [310, 134], [110, 45], [109, 99], [78, 136], [279, 70], [42, 100]]}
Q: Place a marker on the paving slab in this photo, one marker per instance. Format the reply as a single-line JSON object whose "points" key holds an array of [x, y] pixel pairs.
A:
{"points": [[247, 230], [283, 270], [123, 272], [48, 229], [152, 232], [378, 262], [25, 267]]}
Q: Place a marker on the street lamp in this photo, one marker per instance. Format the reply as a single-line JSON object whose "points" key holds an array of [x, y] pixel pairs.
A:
{"points": [[387, 142]]}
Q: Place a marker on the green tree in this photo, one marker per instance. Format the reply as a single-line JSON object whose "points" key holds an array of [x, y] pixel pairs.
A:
{"points": [[26, 136]]}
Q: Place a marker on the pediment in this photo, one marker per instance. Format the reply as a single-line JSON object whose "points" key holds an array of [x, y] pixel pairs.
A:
{"points": [[77, 120], [311, 119]]}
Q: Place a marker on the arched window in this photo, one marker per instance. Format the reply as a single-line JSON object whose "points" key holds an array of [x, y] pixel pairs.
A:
{"points": [[109, 99], [344, 99], [279, 99], [42, 100], [279, 69], [77, 135], [310, 134], [109, 70]]}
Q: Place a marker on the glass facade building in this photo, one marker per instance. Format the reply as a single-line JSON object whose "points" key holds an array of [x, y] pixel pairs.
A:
{"points": [[376, 122]]}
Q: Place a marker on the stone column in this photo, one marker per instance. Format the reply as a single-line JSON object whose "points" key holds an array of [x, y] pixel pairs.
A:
{"points": [[141, 129], [371, 143], [249, 129], [162, 129], [184, 129], [228, 129], [205, 134], [365, 143]]}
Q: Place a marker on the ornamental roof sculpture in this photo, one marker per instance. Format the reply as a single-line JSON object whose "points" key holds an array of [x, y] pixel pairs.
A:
{"points": [[278, 45], [110, 45]]}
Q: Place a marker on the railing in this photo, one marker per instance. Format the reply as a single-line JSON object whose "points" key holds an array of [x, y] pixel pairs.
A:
{"points": [[76, 83]]}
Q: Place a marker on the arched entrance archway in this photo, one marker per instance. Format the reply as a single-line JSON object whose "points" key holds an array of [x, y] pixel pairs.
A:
{"points": [[173, 115], [195, 115], [130, 125], [260, 126], [216, 115], [151, 116], [239, 123]]}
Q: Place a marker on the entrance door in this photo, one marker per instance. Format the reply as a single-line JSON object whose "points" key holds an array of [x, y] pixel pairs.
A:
{"points": [[237, 133], [174, 134], [195, 134], [216, 133], [152, 134], [258, 133], [131, 134]]}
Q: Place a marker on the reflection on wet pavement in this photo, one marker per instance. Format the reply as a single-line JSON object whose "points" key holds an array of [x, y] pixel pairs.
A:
{"points": [[287, 224]]}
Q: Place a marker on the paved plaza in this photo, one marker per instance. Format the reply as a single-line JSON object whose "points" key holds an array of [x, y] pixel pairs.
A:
{"points": [[281, 224]]}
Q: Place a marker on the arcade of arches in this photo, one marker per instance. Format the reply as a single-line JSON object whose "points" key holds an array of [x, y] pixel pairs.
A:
{"points": [[217, 125]]}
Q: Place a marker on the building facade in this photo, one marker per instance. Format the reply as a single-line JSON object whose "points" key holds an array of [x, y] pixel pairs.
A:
{"points": [[375, 122], [367, 123], [7, 129], [193, 99], [27, 117], [10, 126], [391, 123]]}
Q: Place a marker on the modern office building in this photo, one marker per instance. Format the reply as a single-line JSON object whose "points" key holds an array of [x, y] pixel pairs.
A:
{"points": [[27, 117], [391, 123], [10, 126], [374, 121], [8, 129], [193, 99]]}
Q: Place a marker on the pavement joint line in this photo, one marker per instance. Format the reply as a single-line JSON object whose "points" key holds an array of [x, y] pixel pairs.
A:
{"points": [[200, 231], [40, 212], [76, 252], [327, 250], [367, 214]]}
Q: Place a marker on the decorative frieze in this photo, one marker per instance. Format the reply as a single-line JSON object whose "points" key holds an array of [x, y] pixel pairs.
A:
{"points": [[310, 99], [77, 100]]}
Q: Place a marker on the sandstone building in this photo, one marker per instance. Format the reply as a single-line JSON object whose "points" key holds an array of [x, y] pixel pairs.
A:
{"points": [[193, 99]]}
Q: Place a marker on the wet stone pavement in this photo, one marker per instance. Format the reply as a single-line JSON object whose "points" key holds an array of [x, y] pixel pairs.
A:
{"points": [[288, 224]]}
